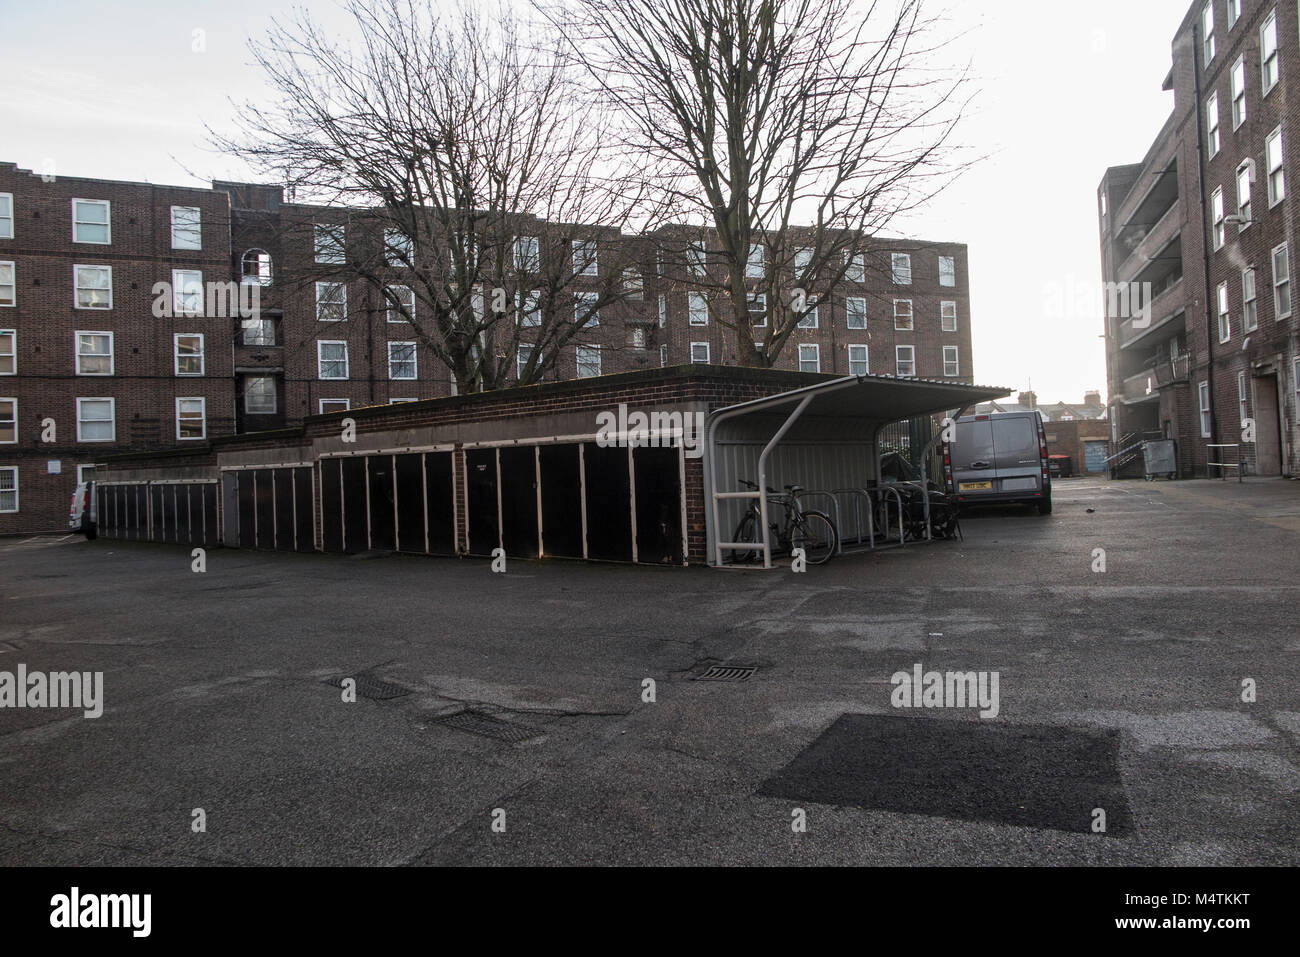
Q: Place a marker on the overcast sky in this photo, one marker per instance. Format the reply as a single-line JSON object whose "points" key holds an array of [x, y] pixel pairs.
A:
{"points": [[1065, 90]]}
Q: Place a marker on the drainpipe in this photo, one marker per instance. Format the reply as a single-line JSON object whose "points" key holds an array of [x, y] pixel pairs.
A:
{"points": [[1207, 241]]}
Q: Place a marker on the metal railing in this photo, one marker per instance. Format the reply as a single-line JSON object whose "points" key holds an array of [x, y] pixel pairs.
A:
{"points": [[1222, 466]]}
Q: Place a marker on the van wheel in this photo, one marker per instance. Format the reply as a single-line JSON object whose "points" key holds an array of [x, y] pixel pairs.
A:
{"points": [[89, 531], [1045, 506]]}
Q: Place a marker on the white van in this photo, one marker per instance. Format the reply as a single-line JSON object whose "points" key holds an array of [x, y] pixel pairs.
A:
{"points": [[81, 516]]}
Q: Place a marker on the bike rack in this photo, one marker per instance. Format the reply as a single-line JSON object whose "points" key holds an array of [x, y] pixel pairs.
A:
{"points": [[835, 517], [858, 495]]}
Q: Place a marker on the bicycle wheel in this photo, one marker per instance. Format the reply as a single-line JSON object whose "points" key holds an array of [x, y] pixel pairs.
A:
{"points": [[816, 534], [746, 531]]}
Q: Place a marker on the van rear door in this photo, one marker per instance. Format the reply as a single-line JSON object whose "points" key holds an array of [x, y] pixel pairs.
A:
{"points": [[973, 458], [1016, 454]]}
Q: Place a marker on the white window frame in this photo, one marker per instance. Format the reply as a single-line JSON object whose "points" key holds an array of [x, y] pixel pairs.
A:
{"points": [[181, 231], [856, 268], [1246, 173], [107, 223], [1203, 393], [1264, 59], [663, 356], [1207, 32], [396, 401], [182, 286], [583, 301], [524, 262], [11, 335], [1218, 216], [112, 419], [392, 312], [176, 354], [259, 276], [813, 319], [954, 362], [12, 284], [756, 262], [1243, 399], [697, 308], [900, 264], [582, 266], [76, 348], [1237, 81], [76, 289], [81, 472], [13, 471], [264, 332], [523, 354], [321, 286], [865, 359], [1223, 313], [700, 345], [1249, 300], [320, 360], [899, 361], [1283, 282], [802, 260], [7, 218], [1212, 121], [948, 273], [396, 241], [1234, 13], [414, 361], [275, 399], [1276, 175], [12, 402], [320, 405], [329, 243], [663, 310], [948, 315], [203, 418], [861, 318], [588, 356], [814, 349], [528, 307], [760, 300], [910, 315]]}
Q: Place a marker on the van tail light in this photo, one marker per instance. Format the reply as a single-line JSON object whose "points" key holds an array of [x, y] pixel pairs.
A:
{"points": [[947, 465]]}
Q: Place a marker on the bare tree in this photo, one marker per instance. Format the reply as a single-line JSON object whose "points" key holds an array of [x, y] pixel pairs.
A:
{"points": [[788, 133], [472, 164]]}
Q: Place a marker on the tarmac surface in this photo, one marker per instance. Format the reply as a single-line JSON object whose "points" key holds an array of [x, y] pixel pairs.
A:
{"points": [[520, 700]]}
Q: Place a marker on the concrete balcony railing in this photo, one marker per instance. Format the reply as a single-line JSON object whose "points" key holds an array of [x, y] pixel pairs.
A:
{"points": [[1164, 307], [1159, 236], [1148, 383]]}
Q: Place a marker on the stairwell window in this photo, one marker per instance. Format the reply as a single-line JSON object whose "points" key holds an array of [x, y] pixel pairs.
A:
{"points": [[1225, 324], [1217, 215], [1281, 282], [1250, 305], [1212, 124], [1269, 69], [1204, 394], [1276, 176], [259, 395]]}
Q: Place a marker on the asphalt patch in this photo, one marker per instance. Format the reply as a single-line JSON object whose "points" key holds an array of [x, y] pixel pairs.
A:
{"points": [[1026, 775]]}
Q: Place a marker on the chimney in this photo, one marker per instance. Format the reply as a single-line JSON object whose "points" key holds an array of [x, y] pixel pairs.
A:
{"points": [[1029, 399], [1092, 399]]}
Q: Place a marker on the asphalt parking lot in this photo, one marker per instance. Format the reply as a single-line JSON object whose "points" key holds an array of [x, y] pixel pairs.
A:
{"points": [[520, 700]]}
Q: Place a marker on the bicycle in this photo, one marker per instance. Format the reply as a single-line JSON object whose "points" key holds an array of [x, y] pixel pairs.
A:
{"points": [[810, 530]]}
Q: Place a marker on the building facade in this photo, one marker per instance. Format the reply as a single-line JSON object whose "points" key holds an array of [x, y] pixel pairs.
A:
{"points": [[120, 327], [1203, 344]]}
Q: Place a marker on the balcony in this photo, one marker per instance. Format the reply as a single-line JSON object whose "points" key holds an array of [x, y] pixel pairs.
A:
{"points": [[1146, 385], [1152, 252], [1168, 309]]}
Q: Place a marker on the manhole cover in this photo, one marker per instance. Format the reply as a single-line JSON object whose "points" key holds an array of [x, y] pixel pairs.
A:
{"points": [[487, 726], [369, 687], [1026, 775], [726, 673]]}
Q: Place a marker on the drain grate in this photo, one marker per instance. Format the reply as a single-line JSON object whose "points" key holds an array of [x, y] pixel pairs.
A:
{"points": [[369, 687], [726, 673], [487, 726]]}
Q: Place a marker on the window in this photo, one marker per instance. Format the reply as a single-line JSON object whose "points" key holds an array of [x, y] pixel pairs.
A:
{"points": [[258, 332], [1281, 282], [663, 357], [335, 405], [401, 360], [809, 321], [947, 271], [1225, 322], [187, 292], [8, 285], [397, 248], [1245, 176], [700, 353], [8, 352], [527, 255], [663, 311], [94, 353], [951, 365], [697, 260], [187, 232], [588, 362], [699, 308], [404, 311], [585, 257], [90, 221], [855, 309], [9, 489], [530, 308], [1207, 30], [401, 401], [802, 260], [858, 364], [329, 243], [94, 287], [903, 315], [857, 271], [1249, 307], [8, 421], [810, 357], [1216, 212], [905, 360], [256, 267], [332, 359], [1243, 407], [584, 309], [758, 311], [902, 268], [1276, 178], [754, 264], [633, 286], [635, 337], [948, 316], [259, 395], [1234, 13], [188, 348], [191, 418], [6, 215], [522, 358], [1238, 93], [85, 473], [331, 301], [1212, 124], [95, 421], [1268, 61]]}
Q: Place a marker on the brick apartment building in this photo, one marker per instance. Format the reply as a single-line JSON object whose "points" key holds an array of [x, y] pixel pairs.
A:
{"points": [[83, 345], [1206, 220]]}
